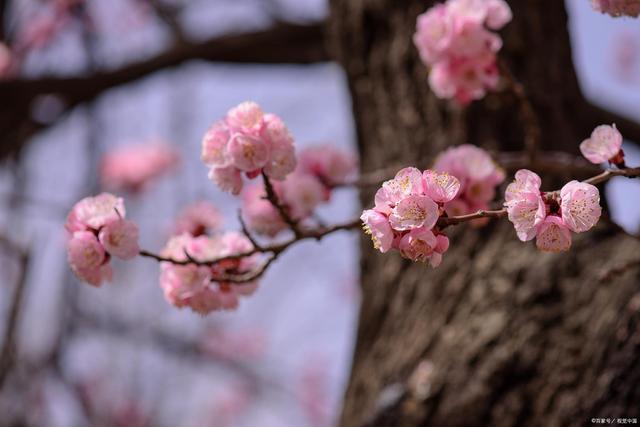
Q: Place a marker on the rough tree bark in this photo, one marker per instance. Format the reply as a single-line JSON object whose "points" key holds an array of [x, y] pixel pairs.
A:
{"points": [[515, 337]]}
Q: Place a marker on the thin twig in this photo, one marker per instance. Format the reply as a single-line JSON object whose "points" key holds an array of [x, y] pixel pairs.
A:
{"points": [[246, 232], [273, 198], [610, 173]]}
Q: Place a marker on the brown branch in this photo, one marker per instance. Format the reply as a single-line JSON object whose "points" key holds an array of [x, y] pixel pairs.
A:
{"points": [[283, 43], [610, 173], [453, 220], [273, 198], [7, 354]]}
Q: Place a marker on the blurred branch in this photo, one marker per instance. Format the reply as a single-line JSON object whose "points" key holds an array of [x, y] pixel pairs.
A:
{"points": [[7, 355], [280, 44], [169, 15]]}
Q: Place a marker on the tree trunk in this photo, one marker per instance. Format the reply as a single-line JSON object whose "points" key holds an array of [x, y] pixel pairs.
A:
{"points": [[514, 337]]}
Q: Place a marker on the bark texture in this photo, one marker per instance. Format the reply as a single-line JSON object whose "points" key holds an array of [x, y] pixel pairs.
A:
{"points": [[514, 337]]}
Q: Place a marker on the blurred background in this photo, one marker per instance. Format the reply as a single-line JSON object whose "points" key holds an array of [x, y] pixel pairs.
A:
{"points": [[136, 71]]}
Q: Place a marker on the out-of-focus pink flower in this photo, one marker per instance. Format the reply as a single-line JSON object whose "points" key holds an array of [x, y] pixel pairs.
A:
{"points": [[247, 119], [201, 287], [454, 42], [553, 235], [244, 344], [98, 230], [377, 225], [228, 178], [198, 218], [120, 238], [282, 159], [478, 175], [214, 145], [249, 141], [603, 146], [524, 203], [259, 214], [312, 391], [625, 56], [5, 61], [441, 187], [85, 251], [133, 167], [229, 406], [248, 153], [580, 206], [329, 164], [422, 245], [617, 7], [95, 212], [302, 193]]}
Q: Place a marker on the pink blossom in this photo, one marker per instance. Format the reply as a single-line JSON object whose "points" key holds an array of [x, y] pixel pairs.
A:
{"points": [[329, 164], [421, 245], [302, 193], [198, 218], [246, 118], [454, 41], [259, 214], [95, 212], [120, 238], [434, 32], [478, 175], [133, 167], [553, 235], [604, 144], [440, 186], [282, 153], [465, 79], [214, 145], [377, 225], [85, 251], [248, 141], [407, 182], [248, 153], [580, 206], [202, 287], [525, 206], [95, 275], [617, 7], [227, 178], [414, 212]]}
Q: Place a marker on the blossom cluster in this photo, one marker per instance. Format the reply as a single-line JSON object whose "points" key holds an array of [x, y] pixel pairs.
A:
{"points": [[320, 168], [98, 231], [617, 7], [202, 287], [454, 40], [604, 145], [406, 213], [247, 141], [550, 217], [133, 167], [478, 174]]}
